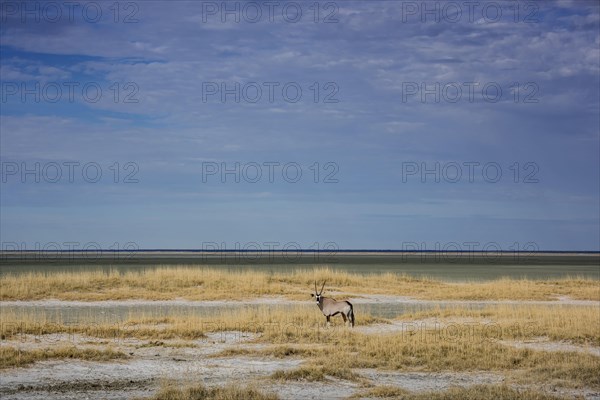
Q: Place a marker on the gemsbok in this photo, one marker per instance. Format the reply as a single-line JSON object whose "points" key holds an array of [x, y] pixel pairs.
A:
{"points": [[330, 307]]}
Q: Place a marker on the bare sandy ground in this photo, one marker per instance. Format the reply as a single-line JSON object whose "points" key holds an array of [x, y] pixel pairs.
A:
{"points": [[545, 344], [142, 373]]}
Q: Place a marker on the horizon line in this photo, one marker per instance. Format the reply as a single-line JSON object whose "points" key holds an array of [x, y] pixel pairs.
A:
{"points": [[332, 251]]}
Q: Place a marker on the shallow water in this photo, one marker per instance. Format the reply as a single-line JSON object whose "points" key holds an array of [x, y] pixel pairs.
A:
{"points": [[120, 313], [452, 268]]}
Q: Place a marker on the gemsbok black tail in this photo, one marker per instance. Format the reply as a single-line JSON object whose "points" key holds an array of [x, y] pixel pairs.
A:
{"points": [[351, 314]]}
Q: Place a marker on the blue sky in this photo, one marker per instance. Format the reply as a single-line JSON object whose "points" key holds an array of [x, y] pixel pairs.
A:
{"points": [[370, 60]]}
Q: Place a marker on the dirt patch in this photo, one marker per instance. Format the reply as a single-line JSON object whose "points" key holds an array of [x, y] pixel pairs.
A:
{"points": [[417, 325], [68, 389], [332, 389], [429, 381], [545, 344], [141, 374], [36, 342], [440, 381], [149, 367], [211, 343], [575, 394]]}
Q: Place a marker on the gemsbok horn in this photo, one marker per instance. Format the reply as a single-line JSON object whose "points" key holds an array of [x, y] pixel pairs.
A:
{"points": [[330, 307]]}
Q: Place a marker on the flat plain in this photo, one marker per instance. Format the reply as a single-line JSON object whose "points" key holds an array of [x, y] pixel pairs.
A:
{"points": [[177, 326]]}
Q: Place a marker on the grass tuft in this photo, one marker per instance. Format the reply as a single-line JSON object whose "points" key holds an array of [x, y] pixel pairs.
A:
{"points": [[201, 392], [11, 357], [314, 373], [479, 392]]}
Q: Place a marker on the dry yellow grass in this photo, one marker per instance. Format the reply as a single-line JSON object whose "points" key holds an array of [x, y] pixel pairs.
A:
{"points": [[575, 324], [467, 339], [395, 352], [15, 324], [479, 392], [383, 392], [201, 392], [14, 357], [299, 332], [314, 373], [412, 353], [471, 346], [301, 324], [274, 323], [201, 283]]}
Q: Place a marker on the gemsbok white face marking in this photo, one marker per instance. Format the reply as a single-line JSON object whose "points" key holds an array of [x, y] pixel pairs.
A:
{"points": [[330, 307]]}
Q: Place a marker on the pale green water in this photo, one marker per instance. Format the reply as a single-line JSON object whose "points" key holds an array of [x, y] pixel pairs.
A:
{"points": [[120, 313]]}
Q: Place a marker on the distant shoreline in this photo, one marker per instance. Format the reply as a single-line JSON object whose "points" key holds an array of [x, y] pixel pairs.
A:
{"points": [[342, 251], [306, 256]]}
